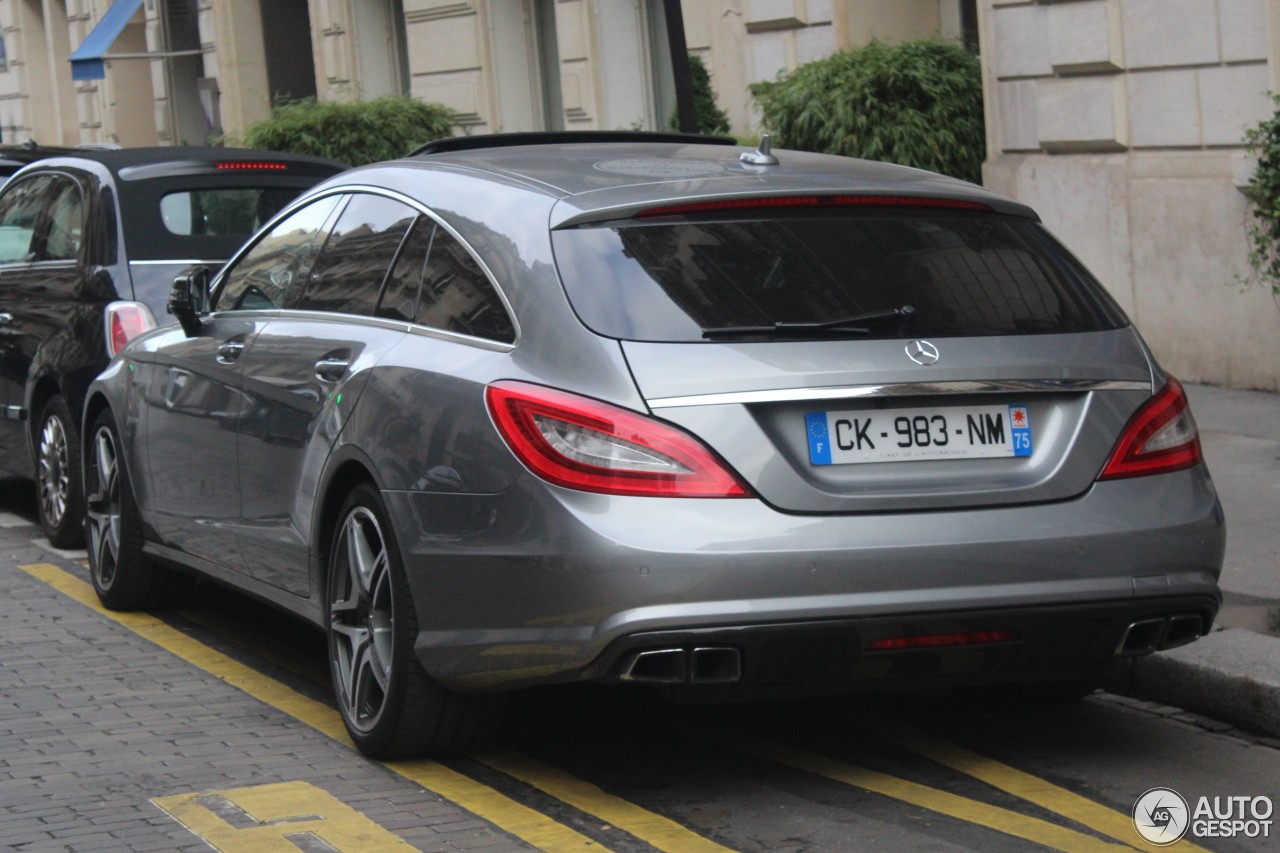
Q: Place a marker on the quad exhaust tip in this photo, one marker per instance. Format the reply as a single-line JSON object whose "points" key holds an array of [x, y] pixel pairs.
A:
{"points": [[1159, 633], [684, 665]]}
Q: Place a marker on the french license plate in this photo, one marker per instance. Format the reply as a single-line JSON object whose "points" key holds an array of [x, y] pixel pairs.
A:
{"points": [[912, 435]]}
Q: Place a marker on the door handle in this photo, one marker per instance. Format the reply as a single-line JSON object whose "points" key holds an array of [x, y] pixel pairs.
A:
{"points": [[331, 369], [229, 352]]}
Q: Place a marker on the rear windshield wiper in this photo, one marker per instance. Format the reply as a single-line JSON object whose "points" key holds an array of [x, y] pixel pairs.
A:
{"points": [[856, 323]]}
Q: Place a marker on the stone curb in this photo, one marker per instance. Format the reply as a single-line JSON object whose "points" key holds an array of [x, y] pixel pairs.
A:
{"points": [[1231, 675]]}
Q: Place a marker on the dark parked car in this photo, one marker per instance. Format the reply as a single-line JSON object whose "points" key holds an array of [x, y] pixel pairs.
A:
{"points": [[90, 241], [514, 412], [15, 157]]}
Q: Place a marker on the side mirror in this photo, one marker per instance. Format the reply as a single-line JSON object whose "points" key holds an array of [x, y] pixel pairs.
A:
{"points": [[188, 296]]}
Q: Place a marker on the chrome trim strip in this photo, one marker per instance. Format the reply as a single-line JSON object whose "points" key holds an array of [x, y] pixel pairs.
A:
{"points": [[165, 263], [366, 320], [459, 338], [898, 389]]}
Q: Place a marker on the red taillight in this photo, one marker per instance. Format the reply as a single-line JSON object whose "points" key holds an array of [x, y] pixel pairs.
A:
{"points": [[590, 446], [1159, 438], [125, 321], [937, 641], [774, 202], [250, 166]]}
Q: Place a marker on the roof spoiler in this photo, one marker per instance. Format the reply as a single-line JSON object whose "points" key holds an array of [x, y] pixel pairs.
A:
{"points": [[451, 144]]}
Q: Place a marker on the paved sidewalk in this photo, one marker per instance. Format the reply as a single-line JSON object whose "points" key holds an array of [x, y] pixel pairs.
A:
{"points": [[1234, 673], [102, 749]]}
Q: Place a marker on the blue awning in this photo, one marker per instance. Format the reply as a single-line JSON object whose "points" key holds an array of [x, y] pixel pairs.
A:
{"points": [[86, 62]]}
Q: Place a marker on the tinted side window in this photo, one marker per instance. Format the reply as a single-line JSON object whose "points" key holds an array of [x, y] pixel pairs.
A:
{"points": [[400, 296], [263, 277], [20, 208], [456, 294], [66, 222], [348, 275]]}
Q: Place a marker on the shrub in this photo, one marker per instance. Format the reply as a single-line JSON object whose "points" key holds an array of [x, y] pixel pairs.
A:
{"points": [[711, 119], [355, 133], [1263, 225], [917, 104]]}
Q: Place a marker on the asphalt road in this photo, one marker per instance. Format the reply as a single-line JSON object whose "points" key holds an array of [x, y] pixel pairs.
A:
{"points": [[212, 727]]}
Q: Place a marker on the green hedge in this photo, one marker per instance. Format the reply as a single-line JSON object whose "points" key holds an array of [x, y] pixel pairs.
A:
{"points": [[918, 104], [355, 133], [1263, 224], [711, 119]]}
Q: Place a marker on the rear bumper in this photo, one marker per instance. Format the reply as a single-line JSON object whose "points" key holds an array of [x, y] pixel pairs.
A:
{"points": [[539, 585], [1037, 644]]}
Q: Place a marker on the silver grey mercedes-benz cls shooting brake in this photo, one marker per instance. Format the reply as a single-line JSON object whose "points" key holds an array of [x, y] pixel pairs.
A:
{"points": [[530, 409]]}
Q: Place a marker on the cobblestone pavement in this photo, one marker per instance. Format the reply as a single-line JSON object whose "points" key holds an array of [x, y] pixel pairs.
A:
{"points": [[97, 724]]}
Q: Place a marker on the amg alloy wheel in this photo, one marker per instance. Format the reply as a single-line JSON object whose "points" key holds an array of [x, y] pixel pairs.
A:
{"points": [[362, 620], [391, 707], [123, 576]]}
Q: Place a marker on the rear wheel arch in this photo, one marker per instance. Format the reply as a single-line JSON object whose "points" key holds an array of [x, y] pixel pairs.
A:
{"points": [[344, 477], [426, 718]]}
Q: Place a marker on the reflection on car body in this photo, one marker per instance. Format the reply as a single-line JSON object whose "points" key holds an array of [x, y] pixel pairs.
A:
{"points": [[89, 243]]}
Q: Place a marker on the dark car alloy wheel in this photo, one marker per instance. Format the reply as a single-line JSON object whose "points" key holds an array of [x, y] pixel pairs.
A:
{"points": [[57, 454]]}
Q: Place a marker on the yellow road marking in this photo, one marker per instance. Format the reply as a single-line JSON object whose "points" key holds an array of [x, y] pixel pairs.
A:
{"points": [[659, 831], [521, 821], [1017, 782], [962, 808], [274, 814]]}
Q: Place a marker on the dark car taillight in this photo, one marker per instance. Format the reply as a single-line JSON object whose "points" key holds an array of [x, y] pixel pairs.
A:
{"points": [[584, 444], [1160, 437], [125, 321]]}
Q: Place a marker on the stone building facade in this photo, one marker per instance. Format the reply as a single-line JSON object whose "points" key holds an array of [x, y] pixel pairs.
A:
{"points": [[1121, 121]]}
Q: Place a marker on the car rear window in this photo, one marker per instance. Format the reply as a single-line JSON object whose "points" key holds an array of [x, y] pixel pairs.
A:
{"points": [[962, 273], [201, 217], [237, 211]]}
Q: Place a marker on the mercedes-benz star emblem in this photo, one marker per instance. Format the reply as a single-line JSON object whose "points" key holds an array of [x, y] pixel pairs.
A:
{"points": [[922, 352]]}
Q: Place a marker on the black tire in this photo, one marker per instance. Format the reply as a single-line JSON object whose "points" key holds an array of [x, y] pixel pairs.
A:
{"points": [[124, 577], [391, 707], [59, 490]]}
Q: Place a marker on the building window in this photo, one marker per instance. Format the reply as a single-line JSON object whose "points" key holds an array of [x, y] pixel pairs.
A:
{"points": [[969, 25]]}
